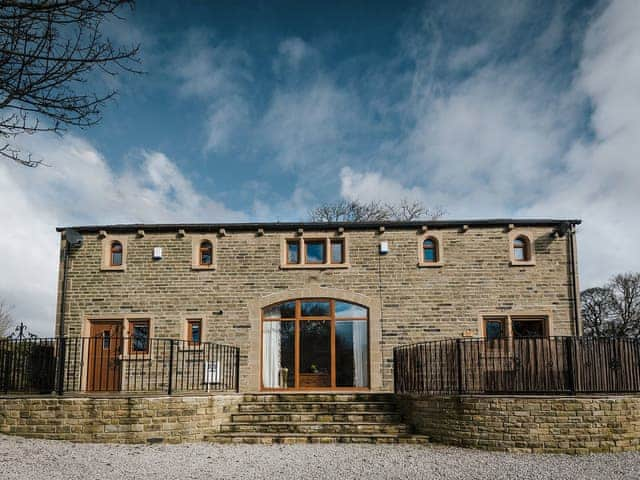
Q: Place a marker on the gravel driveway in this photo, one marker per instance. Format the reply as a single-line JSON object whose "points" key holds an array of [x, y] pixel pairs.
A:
{"points": [[34, 459]]}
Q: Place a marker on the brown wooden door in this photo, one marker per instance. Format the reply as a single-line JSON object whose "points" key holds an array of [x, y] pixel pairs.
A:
{"points": [[105, 348]]}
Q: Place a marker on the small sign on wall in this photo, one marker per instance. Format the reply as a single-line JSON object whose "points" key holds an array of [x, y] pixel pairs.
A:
{"points": [[157, 253]]}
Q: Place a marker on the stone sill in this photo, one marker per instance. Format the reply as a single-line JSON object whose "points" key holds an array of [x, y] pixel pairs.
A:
{"points": [[315, 266], [526, 263], [430, 264]]}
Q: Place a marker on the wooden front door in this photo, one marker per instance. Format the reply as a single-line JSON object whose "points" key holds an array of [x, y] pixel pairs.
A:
{"points": [[104, 350]]}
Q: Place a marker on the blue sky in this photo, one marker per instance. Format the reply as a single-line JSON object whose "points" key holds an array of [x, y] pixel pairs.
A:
{"points": [[259, 111]]}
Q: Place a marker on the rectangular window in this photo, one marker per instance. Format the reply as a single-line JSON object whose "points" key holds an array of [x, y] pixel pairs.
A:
{"points": [[314, 252], [194, 331], [337, 251], [495, 328], [528, 327], [293, 251], [139, 336]]}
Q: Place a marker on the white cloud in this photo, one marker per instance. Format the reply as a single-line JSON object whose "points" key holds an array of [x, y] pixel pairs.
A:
{"points": [[294, 50], [508, 140], [308, 127], [218, 74], [81, 188], [603, 173], [374, 187]]}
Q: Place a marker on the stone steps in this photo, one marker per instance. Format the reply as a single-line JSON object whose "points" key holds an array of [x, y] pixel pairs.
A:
{"points": [[315, 427], [324, 407], [349, 416], [289, 438], [315, 418]]}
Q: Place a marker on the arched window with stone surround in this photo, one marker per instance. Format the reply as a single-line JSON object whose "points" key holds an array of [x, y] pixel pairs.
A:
{"points": [[116, 254], [206, 253]]}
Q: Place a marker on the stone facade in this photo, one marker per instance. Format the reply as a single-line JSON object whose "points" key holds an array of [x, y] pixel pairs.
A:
{"points": [[117, 420], [407, 303], [576, 425]]}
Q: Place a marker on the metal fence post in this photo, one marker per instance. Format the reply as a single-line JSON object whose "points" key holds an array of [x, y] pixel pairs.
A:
{"points": [[395, 370], [237, 383], [61, 362], [459, 356], [571, 376], [170, 386]]}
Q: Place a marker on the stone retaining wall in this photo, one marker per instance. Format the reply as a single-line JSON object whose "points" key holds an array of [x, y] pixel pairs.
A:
{"points": [[117, 419], [584, 424]]}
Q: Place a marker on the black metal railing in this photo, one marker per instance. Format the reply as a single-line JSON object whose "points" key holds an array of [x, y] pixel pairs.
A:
{"points": [[550, 365], [116, 364]]}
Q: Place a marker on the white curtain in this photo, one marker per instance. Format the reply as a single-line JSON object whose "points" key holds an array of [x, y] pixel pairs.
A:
{"points": [[271, 355], [360, 360]]}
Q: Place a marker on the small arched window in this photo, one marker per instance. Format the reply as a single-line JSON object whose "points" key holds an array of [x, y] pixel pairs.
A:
{"points": [[521, 249], [206, 253], [116, 254], [429, 250]]}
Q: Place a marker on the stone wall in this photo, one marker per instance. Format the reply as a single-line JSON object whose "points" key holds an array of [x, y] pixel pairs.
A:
{"points": [[576, 425], [118, 419], [413, 303]]}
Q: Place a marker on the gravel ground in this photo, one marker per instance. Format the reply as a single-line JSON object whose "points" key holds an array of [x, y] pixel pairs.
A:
{"points": [[34, 459]]}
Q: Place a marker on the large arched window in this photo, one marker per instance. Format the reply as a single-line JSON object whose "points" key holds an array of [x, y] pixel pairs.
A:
{"points": [[206, 253], [315, 343], [116, 254], [521, 249]]}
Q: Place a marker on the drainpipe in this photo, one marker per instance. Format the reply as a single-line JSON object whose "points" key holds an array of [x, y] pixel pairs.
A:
{"points": [[63, 291], [571, 238], [71, 238]]}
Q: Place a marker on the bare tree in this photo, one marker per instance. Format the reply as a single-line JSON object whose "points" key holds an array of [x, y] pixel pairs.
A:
{"points": [[596, 312], [48, 51], [613, 310], [6, 320], [625, 305], [355, 211]]}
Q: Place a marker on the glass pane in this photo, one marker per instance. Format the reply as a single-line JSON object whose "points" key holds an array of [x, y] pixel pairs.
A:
{"points": [[293, 252], [350, 310], [352, 354], [316, 309], [195, 332], [528, 328], [278, 354], [315, 252], [337, 253], [315, 353], [518, 253], [429, 255], [106, 340], [116, 258], [140, 338], [494, 329], [206, 258], [281, 310]]}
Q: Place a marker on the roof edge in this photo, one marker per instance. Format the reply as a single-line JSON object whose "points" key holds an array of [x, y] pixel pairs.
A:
{"points": [[282, 226]]}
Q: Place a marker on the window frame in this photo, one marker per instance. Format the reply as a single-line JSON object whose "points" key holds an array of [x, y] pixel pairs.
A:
{"points": [[436, 237], [107, 243], [201, 251], [529, 249], [326, 239], [131, 324], [196, 244], [113, 244], [535, 315], [187, 343], [190, 323]]}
